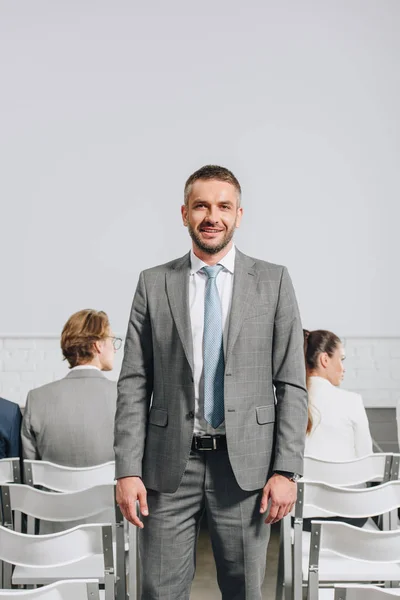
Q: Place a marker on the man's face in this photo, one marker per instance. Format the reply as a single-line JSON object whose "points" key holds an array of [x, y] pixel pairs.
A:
{"points": [[107, 352], [212, 214]]}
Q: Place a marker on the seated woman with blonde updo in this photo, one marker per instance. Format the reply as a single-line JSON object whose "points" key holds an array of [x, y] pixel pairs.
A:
{"points": [[338, 429]]}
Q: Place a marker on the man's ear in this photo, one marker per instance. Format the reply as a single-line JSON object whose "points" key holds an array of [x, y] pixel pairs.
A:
{"points": [[184, 213], [239, 216], [97, 346]]}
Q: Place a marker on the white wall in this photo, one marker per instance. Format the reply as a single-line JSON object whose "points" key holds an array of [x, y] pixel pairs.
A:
{"points": [[372, 367], [107, 107]]}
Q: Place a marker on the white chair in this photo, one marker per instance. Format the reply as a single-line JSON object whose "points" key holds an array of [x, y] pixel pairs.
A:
{"points": [[9, 473], [395, 475], [67, 479], [371, 468], [10, 470], [79, 589], [87, 504], [320, 500], [60, 478], [342, 553], [84, 552], [363, 592]]}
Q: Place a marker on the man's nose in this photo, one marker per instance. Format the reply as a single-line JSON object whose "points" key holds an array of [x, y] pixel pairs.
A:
{"points": [[213, 214]]}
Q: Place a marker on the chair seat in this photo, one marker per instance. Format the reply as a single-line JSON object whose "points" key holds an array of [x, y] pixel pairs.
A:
{"points": [[90, 568]]}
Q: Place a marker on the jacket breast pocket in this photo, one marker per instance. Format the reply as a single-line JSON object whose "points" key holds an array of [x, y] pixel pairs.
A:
{"points": [[158, 416], [265, 414]]}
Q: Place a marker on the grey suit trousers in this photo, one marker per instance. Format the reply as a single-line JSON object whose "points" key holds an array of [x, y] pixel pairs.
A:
{"points": [[239, 536]]}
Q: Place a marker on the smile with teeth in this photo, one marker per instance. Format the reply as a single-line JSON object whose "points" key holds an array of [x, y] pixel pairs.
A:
{"points": [[210, 230]]}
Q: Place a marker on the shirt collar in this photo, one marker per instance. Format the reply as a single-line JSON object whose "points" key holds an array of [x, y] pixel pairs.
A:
{"points": [[228, 262], [80, 367]]}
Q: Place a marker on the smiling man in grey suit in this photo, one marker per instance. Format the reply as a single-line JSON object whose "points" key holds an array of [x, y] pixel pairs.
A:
{"points": [[210, 337]]}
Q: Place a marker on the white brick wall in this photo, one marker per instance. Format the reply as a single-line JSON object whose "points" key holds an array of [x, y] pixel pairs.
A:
{"points": [[373, 370], [31, 361], [372, 367]]}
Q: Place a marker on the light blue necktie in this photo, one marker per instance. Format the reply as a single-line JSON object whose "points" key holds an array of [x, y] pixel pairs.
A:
{"points": [[213, 351]]}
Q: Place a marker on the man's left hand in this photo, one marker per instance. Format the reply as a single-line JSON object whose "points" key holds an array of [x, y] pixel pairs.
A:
{"points": [[282, 492]]}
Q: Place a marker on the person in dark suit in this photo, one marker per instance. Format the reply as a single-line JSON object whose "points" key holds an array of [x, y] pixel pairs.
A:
{"points": [[10, 429]]}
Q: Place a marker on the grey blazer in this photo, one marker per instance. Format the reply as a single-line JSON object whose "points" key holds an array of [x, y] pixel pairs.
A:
{"points": [[264, 352], [70, 421]]}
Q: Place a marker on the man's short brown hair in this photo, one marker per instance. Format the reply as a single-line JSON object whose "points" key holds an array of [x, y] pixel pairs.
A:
{"points": [[212, 172], [80, 332]]}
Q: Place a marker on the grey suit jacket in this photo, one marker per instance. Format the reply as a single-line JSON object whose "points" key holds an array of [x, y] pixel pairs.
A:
{"points": [[70, 421], [264, 351]]}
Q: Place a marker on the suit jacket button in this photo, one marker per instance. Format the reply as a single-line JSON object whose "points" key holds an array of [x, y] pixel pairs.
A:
{"points": [[190, 415]]}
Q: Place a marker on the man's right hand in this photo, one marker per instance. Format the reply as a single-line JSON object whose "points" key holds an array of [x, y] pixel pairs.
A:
{"points": [[129, 491]]}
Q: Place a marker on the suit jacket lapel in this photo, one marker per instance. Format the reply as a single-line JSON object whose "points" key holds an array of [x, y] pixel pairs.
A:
{"points": [[177, 281], [244, 289]]}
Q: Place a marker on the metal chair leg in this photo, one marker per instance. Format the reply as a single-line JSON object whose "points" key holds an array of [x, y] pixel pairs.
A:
{"points": [[281, 569]]}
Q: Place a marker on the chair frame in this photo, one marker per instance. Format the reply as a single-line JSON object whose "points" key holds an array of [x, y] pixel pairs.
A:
{"points": [[92, 590], [119, 526], [298, 527], [108, 557], [395, 467], [313, 569], [284, 583], [341, 592], [15, 464]]}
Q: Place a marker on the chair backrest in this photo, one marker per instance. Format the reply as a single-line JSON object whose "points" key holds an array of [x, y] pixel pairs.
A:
{"points": [[67, 479], [74, 589], [56, 507], [354, 543], [364, 592], [57, 549], [374, 467], [9, 470], [321, 500], [351, 543], [316, 499]]}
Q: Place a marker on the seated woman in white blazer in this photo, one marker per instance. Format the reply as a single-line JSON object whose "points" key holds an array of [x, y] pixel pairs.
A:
{"points": [[339, 429]]}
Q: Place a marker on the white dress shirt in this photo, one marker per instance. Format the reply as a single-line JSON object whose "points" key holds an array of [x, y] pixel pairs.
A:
{"points": [[340, 430], [197, 288]]}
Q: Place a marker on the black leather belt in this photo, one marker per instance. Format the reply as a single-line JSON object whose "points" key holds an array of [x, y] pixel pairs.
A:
{"points": [[209, 442]]}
